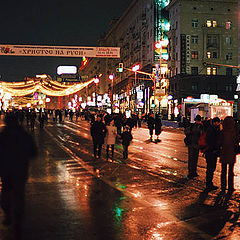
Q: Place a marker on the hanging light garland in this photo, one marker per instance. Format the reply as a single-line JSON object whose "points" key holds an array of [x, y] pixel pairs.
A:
{"points": [[47, 87]]}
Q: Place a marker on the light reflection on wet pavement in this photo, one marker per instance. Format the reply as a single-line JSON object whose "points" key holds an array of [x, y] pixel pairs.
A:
{"points": [[69, 196]]}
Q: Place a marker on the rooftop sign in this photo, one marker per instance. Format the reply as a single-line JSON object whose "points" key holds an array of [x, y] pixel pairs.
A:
{"points": [[59, 51], [67, 70]]}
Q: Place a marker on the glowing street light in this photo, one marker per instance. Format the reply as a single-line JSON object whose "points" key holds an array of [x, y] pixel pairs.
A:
{"points": [[161, 43], [136, 68], [111, 77], [96, 80]]}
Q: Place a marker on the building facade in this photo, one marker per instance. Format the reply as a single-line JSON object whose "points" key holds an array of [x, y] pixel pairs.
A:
{"points": [[136, 33], [203, 48], [201, 55]]}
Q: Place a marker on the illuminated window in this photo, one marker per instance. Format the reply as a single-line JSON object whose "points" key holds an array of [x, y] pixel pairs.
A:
{"points": [[208, 54], [209, 23], [214, 71], [209, 70], [228, 25], [194, 54]]}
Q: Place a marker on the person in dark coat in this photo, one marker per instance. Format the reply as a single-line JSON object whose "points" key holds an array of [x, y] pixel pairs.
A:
{"points": [[98, 133], [33, 119], [41, 119], [71, 113], [21, 117], [212, 151], [119, 123], [17, 148], [193, 132], [158, 127], [28, 117], [60, 116], [130, 123], [134, 117], [228, 141], [139, 120], [126, 137], [151, 124]]}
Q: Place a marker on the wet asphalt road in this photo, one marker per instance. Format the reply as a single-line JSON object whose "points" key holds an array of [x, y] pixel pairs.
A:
{"points": [[72, 196]]}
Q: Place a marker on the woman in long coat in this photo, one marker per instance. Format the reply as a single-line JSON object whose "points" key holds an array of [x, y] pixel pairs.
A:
{"points": [[111, 137], [228, 141]]}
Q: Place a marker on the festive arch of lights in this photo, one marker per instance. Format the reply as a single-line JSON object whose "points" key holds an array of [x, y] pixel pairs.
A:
{"points": [[45, 86]]}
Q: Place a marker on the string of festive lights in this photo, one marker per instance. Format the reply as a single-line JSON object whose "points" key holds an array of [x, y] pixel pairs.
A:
{"points": [[47, 87]]}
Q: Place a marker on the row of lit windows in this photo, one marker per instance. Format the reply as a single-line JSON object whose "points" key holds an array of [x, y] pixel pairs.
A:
{"points": [[211, 24], [213, 54], [209, 71]]}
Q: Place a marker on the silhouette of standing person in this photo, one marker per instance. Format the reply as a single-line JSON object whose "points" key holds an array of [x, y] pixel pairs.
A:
{"points": [[32, 119], [228, 140], [17, 147]]}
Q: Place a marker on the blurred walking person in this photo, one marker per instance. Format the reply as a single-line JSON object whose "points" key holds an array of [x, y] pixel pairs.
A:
{"points": [[41, 119], [98, 133], [126, 137], [32, 119], [151, 124], [229, 142], [158, 127], [111, 138], [17, 148]]}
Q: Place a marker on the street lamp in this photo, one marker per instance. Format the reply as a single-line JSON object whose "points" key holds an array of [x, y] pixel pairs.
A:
{"points": [[135, 68], [96, 81], [111, 78]]}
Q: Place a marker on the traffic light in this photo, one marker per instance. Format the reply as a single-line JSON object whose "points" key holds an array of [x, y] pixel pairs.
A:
{"points": [[120, 67]]}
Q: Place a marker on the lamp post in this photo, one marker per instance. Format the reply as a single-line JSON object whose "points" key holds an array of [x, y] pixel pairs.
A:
{"points": [[111, 78], [135, 68], [96, 81]]}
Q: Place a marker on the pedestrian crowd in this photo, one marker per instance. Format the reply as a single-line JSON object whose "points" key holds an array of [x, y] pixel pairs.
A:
{"points": [[215, 139], [109, 128]]}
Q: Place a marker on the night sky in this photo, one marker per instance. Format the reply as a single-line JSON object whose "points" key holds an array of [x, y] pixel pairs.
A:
{"points": [[52, 22]]}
